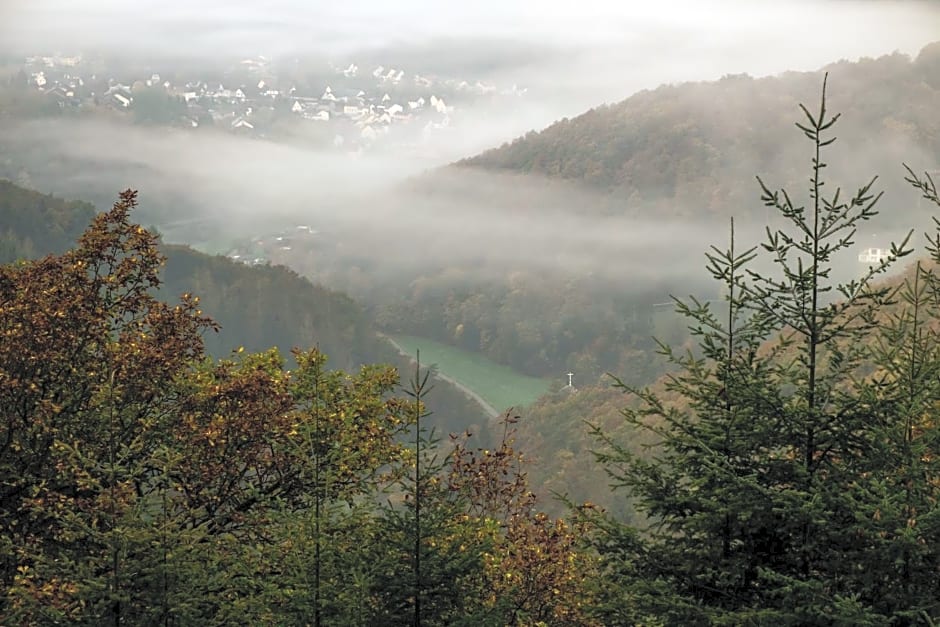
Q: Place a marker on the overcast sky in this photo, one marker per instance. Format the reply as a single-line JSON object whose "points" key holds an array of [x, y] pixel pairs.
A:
{"points": [[276, 25]]}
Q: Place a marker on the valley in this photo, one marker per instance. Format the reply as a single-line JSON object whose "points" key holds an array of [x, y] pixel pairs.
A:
{"points": [[513, 270], [678, 356], [495, 387]]}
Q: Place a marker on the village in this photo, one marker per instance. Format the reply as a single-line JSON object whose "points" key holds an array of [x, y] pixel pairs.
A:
{"points": [[351, 109], [275, 248]]}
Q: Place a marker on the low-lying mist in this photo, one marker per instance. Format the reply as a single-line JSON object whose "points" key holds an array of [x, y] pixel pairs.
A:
{"points": [[382, 214], [218, 187]]}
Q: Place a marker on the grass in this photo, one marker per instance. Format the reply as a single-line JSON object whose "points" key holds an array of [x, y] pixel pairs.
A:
{"points": [[501, 386]]}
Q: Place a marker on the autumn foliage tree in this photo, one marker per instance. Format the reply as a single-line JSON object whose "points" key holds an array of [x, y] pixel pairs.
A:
{"points": [[119, 436], [142, 482], [87, 364], [535, 571]]}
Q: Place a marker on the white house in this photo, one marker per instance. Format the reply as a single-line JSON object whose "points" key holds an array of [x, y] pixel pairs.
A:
{"points": [[297, 107], [874, 255], [352, 111]]}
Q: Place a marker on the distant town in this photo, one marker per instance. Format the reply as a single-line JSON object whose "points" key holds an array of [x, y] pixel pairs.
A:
{"points": [[349, 108], [275, 248]]}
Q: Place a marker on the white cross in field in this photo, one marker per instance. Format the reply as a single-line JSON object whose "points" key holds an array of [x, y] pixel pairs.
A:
{"points": [[570, 374]]}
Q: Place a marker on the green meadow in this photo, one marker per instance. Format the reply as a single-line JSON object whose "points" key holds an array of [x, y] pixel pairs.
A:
{"points": [[500, 386]]}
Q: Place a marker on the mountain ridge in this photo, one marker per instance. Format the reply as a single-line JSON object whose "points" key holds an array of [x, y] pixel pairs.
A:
{"points": [[696, 146]]}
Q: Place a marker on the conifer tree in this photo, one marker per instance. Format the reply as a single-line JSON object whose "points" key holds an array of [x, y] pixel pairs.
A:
{"points": [[899, 478], [753, 488], [433, 550]]}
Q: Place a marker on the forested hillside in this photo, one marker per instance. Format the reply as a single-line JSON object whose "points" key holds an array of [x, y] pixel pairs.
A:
{"points": [[33, 224], [264, 306], [255, 307], [693, 148], [143, 482], [680, 156], [540, 324]]}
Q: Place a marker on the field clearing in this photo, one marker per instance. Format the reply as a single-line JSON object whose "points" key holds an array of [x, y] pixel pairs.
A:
{"points": [[500, 386]]}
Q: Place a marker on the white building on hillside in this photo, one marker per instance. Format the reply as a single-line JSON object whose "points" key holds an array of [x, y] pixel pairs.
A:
{"points": [[874, 256]]}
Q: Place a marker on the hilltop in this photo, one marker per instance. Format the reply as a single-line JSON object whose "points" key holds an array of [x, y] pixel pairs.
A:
{"points": [[695, 147]]}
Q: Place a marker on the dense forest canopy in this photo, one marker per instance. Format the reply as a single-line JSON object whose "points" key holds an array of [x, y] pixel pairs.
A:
{"points": [[693, 148], [36, 224], [256, 307], [146, 483]]}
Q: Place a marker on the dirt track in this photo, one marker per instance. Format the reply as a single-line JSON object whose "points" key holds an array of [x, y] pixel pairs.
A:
{"points": [[490, 410]]}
